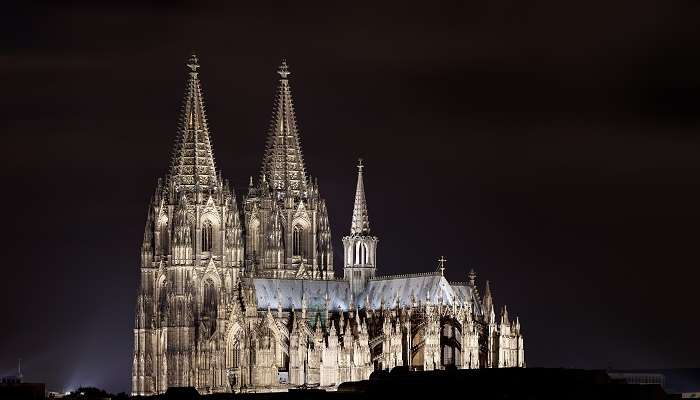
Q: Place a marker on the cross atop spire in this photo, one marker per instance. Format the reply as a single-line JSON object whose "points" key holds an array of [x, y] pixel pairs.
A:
{"points": [[360, 217], [192, 164], [283, 70], [283, 162], [193, 62], [442, 260]]}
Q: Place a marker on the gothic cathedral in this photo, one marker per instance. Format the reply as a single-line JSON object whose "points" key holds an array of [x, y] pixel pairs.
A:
{"points": [[246, 299]]}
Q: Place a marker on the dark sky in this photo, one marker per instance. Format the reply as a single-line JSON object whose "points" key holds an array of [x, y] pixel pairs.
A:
{"points": [[553, 147]]}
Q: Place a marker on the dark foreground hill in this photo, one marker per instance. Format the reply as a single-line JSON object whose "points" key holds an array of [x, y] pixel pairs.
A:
{"points": [[510, 383]]}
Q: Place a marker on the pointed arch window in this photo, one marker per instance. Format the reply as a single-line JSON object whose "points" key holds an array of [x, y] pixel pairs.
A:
{"points": [[164, 233], [163, 296], [297, 241], [207, 236], [361, 254], [209, 301], [254, 239], [236, 362]]}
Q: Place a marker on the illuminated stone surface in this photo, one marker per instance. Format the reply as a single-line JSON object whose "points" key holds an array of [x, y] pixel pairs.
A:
{"points": [[246, 299]]}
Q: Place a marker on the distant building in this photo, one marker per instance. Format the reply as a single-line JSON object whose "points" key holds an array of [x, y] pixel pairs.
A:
{"points": [[14, 387], [11, 380], [683, 382], [639, 378], [247, 299]]}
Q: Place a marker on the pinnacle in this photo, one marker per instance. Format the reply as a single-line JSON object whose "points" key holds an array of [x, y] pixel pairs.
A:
{"points": [[472, 277], [360, 217]]}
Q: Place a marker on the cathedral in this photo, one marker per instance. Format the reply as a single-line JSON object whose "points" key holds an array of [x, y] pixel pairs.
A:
{"points": [[239, 294]]}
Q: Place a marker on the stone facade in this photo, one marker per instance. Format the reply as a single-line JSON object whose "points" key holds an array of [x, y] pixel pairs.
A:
{"points": [[246, 299]]}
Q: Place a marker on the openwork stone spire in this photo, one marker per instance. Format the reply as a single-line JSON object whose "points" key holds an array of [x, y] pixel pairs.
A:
{"points": [[283, 163], [360, 218], [192, 163]]}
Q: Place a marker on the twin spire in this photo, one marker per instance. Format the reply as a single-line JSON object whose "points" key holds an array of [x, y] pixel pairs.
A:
{"points": [[192, 164], [360, 218], [283, 162]]}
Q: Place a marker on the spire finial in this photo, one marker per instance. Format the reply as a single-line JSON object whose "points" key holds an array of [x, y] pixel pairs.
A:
{"points": [[193, 62], [284, 69], [442, 260], [359, 164], [472, 277]]}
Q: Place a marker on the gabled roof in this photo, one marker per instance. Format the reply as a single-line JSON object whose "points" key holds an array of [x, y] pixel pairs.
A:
{"points": [[269, 291], [423, 287], [430, 286]]}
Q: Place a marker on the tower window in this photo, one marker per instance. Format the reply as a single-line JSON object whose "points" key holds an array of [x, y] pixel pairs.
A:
{"points": [[163, 226], [207, 236], [209, 300], [361, 254], [254, 241], [297, 248]]}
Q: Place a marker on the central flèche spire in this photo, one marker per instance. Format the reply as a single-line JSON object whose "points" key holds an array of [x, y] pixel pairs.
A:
{"points": [[360, 218], [283, 163], [192, 162]]}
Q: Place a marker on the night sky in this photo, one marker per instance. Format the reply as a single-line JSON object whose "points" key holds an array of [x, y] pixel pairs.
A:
{"points": [[553, 147]]}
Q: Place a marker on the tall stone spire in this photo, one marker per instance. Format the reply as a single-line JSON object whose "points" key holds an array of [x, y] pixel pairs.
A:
{"points": [[192, 163], [360, 218], [488, 300], [360, 254], [283, 163]]}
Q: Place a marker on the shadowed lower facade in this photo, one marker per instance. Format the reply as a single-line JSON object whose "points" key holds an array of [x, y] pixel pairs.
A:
{"points": [[244, 298]]}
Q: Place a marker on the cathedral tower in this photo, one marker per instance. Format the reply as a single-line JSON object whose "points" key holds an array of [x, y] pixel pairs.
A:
{"points": [[191, 260], [287, 230], [360, 248]]}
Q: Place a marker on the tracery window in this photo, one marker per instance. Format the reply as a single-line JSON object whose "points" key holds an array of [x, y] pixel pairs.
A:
{"points": [[164, 235], [210, 302], [236, 357], [207, 236], [361, 253], [163, 297], [254, 241], [297, 241]]}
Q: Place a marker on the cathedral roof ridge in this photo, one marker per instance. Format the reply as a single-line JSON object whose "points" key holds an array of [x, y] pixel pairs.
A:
{"points": [[401, 276]]}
